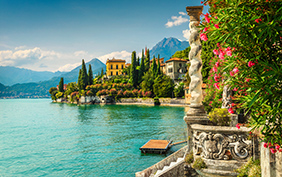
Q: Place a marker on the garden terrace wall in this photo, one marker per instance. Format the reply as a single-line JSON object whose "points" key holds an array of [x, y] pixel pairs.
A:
{"points": [[224, 149]]}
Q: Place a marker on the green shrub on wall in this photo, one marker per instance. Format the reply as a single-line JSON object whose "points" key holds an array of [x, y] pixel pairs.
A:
{"points": [[220, 116]]}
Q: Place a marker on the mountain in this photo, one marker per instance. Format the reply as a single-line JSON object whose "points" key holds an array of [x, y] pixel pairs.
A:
{"points": [[167, 47], [41, 89], [10, 75]]}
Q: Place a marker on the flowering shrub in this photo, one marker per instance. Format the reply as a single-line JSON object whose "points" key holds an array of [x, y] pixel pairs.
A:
{"points": [[220, 117], [140, 93], [102, 92], [119, 93], [135, 93], [249, 49], [127, 94], [113, 91], [89, 93]]}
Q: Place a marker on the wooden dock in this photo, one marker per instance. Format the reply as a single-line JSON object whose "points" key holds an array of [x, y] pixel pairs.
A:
{"points": [[156, 146]]}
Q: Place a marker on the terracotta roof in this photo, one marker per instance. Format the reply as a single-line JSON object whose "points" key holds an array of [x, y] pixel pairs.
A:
{"points": [[115, 60], [163, 64], [176, 59], [127, 64]]}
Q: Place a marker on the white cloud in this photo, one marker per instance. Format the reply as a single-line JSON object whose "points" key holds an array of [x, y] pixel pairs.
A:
{"points": [[117, 55], [186, 34], [69, 67], [23, 57], [80, 53], [176, 20], [20, 47]]}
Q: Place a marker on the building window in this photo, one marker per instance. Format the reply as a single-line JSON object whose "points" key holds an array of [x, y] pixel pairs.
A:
{"points": [[116, 66], [180, 64], [111, 73], [117, 73], [121, 66], [111, 66], [169, 70]]}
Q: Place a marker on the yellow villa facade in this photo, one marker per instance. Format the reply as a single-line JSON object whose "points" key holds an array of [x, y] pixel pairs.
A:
{"points": [[115, 67]]}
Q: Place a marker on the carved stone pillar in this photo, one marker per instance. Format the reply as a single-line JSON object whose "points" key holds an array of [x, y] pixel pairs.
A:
{"points": [[196, 113]]}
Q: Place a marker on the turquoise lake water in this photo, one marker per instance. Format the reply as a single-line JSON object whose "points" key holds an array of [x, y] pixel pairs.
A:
{"points": [[40, 138]]}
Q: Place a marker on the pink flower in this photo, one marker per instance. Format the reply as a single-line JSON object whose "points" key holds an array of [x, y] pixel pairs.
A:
{"points": [[214, 69], [280, 150], [237, 125], [229, 53], [203, 37], [251, 63], [257, 20], [235, 89], [218, 44], [215, 17], [273, 151], [221, 56], [216, 85], [232, 73], [205, 29], [217, 64], [235, 70], [207, 19], [248, 80], [215, 52], [216, 78], [216, 26], [265, 145], [277, 147]]}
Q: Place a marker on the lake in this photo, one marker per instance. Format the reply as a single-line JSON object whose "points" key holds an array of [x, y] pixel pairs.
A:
{"points": [[40, 138]]}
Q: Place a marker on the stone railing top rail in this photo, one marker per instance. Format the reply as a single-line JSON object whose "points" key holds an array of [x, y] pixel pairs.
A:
{"points": [[220, 129]]}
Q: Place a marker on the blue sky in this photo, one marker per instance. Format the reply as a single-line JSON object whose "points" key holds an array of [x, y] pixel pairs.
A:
{"points": [[49, 35]]}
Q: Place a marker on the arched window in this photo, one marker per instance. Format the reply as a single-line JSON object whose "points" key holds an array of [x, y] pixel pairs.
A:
{"points": [[117, 73], [121, 66], [111, 66], [111, 73], [116, 66]]}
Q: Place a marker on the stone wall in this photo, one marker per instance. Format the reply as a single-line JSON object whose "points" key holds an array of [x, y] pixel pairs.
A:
{"points": [[271, 164], [163, 101], [165, 162]]}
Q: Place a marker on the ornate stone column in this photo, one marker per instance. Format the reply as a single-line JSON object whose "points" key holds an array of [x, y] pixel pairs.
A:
{"points": [[196, 113]]}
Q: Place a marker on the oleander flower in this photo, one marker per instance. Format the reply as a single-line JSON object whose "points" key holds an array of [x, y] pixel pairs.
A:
{"points": [[203, 37], [215, 51], [216, 26], [217, 64], [238, 126], [248, 80], [251, 63], [235, 70], [235, 89], [265, 145], [216, 85], [273, 151]]}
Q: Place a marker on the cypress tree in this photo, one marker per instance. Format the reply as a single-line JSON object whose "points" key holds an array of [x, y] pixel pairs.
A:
{"points": [[138, 61], [61, 85], [142, 67], [147, 60], [159, 66], [133, 70], [154, 66], [84, 78], [90, 75]]}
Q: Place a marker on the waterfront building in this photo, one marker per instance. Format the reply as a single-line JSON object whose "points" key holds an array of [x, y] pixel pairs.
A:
{"points": [[176, 68], [115, 67]]}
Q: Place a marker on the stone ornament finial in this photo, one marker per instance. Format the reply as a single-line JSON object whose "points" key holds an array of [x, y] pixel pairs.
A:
{"points": [[194, 12]]}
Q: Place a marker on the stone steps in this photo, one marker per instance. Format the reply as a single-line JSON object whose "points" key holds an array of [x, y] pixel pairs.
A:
{"points": [[167, 168]]}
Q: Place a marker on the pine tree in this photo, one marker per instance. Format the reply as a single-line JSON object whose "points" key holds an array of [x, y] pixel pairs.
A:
{"points": [[147, 60], [133, 70], [142, 67], [90, 75], [154, 66], [61, 85]]}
